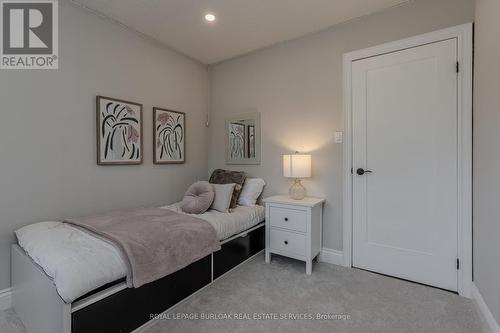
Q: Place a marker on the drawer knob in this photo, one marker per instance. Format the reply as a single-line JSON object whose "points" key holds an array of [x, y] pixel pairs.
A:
{"points": [[286, 242], [286, 219]]}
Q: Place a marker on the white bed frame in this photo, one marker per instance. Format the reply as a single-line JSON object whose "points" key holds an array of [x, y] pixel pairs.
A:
{"points": [[42, 310]]}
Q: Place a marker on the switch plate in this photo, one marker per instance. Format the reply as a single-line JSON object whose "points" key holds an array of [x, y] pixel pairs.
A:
{"points": [[339, 137]]}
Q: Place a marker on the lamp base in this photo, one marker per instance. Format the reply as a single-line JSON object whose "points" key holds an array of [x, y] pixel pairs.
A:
{"points": [[297, 191]]}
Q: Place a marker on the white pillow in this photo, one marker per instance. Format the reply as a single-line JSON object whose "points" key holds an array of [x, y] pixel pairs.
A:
{"points": [[252, 188], [223, 195]]}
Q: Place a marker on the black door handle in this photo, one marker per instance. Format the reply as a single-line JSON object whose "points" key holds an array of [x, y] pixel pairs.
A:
{"points": [[362, 171], [286, 242]]}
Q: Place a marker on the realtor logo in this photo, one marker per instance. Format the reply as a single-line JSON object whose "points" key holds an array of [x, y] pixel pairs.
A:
{"points": [[29, 34]]}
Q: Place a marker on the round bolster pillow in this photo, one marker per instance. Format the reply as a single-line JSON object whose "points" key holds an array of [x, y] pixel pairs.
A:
{"points": [[198, 198]]}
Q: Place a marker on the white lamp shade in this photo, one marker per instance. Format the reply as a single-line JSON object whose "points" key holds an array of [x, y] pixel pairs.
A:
{"points": [[297, 166]]}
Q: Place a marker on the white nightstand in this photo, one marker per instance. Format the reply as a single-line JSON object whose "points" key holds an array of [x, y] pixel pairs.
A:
{"points": [[293, 228]]}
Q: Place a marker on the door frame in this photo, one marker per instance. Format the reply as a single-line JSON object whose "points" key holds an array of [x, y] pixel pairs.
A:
{"points": [[464, 35]]}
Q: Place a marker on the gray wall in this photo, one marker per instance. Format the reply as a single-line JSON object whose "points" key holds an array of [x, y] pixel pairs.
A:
{"points": [[297, 87], [47, 131], [487, 153]]}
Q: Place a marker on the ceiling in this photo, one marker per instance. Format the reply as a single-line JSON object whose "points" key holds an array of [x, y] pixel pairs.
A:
{"points": [[241, 26]]}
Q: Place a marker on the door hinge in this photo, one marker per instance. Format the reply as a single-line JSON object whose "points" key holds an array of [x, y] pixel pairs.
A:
{"points": [[351, 171], [458, 67], [458, 264]]}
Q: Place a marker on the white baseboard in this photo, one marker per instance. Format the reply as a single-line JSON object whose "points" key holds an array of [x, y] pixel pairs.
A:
{"points": [[331, 256], [489, 323], [5, 299]]}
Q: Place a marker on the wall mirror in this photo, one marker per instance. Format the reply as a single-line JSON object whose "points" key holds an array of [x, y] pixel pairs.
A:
{"points": [[243, 139]]}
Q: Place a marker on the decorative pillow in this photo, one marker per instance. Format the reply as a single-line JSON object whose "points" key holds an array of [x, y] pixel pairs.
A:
{"points": [[223, 195], [198, 198], [220, 176], [251, 191]]}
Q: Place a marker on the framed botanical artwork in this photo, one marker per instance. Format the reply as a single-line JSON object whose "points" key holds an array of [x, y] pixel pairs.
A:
{"points": [[169, 136], [243, 138], [119, 131], [236, 140], [251, 141]]}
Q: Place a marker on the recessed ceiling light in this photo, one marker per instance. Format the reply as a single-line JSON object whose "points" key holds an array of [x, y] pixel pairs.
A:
{"points": [[209, 17]]}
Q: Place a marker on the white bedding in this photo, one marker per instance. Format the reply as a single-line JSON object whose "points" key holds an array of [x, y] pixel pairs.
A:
{"points": [[79, 263], [228, 224]]}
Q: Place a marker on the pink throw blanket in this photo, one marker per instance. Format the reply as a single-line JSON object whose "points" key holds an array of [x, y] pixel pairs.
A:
{"points": [[155, 241]]}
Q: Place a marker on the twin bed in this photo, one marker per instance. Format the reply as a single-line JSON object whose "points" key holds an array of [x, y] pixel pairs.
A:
{"points": [[66, 280]]}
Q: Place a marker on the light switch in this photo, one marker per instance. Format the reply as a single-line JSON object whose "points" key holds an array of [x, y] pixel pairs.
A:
{"points": [[339, 137]]}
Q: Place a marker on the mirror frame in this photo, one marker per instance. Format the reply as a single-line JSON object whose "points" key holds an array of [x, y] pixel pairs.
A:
{"points": [[250, 115]]}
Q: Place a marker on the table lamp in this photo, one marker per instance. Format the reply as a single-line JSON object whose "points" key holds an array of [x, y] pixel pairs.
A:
{"points": [[297, 166]]}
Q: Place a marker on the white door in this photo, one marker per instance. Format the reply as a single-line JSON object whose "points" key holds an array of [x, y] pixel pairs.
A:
{"points": [[405, 211]]}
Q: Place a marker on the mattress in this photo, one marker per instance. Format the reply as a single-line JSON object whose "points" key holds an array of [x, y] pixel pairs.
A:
{"points": [[239, 219], [79, 263]]}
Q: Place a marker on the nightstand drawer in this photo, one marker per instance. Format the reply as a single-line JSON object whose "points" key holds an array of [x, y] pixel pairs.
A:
{"points": [[288, 241], [288, 218]]}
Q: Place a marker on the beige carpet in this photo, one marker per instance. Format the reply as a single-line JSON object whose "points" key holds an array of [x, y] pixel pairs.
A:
{"points": [[9, 323], [349, 300]]}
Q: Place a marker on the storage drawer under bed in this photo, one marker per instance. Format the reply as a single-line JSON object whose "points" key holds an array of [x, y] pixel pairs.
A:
{"points": [[238, 250], [130, 308]]}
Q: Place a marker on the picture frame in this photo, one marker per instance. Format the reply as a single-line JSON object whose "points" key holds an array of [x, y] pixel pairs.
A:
{"points": [[119, 131], [242, 139], [169, 136], [237, 135], [251, 141]]}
